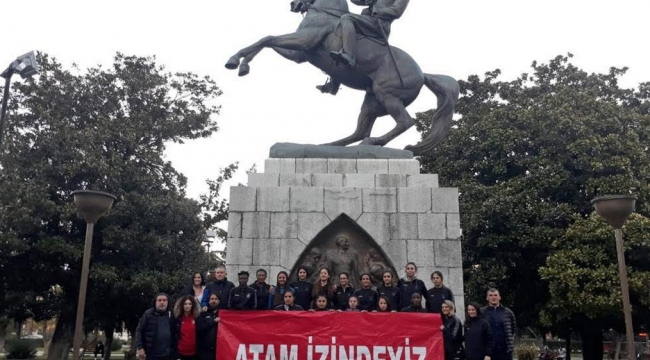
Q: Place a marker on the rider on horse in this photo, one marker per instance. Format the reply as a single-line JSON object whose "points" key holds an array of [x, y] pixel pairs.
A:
{"points": [[374, 22]]}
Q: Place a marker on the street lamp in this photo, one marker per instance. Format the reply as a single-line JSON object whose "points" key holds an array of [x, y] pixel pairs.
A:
{"points": [[26, 66], [616, 209], [91, 205]]}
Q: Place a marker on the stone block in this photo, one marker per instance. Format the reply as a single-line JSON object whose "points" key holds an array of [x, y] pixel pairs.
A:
{"points": [[448, 253], [404, 226], [266, 252], [327, 180], [284, 225], [263, 179], [359, 180], [460, 304], [455, 281], [295, 180], [343, 200], [274, 199], [280, 166], [444, 200], [241, 253], [453, 226], [377, 225], [311, 166], [380, 200], [256, 225], [310, 224], [420, 252], [234, 224], [390, 180], [342, 166], [290, 251], [305, 199], [431, 226], [396, 251], [413, 200], [422, 180], [399, 166], [372, 166], [242, 198]]}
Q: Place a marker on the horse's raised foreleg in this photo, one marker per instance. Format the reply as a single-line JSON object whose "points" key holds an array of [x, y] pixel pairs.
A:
{"points": [[370, 111], [299, 41], [293, 55], [397, 111]]}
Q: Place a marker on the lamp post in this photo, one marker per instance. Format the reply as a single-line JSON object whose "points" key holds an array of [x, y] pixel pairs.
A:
{"points": [[616, 209], [26, 66], [91, 205]]}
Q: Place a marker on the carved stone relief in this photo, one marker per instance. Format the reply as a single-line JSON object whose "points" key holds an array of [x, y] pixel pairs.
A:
{"points": [[343, 246]]}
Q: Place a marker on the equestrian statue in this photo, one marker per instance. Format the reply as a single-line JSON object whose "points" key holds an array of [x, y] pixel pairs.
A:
{"points": [[354, 51]]}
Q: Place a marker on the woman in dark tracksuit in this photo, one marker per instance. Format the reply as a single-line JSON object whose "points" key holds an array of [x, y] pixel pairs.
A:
{"points": [[367, 296], [478, 335], [452, 330]]}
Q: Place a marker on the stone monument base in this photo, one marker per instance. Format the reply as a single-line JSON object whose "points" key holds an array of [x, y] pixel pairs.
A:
{"points": [[293, 212]]}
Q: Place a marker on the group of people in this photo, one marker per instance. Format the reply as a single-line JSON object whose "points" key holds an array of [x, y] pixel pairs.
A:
{"points": [[190, 334]]}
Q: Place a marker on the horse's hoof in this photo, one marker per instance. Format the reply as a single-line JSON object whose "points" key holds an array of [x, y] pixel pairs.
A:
{"points": [[244, 69], [232, 63]]}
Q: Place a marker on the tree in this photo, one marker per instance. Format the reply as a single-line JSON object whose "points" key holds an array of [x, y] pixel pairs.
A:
{"points": [[104, 129], [582, 274], [528, 155]]}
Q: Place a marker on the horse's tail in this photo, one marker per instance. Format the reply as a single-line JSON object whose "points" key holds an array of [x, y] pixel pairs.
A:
{"points": [[446, 90]]}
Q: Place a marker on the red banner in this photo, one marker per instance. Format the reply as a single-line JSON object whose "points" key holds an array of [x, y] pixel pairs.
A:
{"points": [[304, 335]]}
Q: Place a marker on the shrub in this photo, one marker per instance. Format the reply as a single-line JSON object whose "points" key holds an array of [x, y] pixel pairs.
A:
{"points": [[116, 345], [527, 352], [20, 349]]}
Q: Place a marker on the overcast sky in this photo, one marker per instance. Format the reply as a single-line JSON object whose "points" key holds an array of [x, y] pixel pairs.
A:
{"points": [[277, 101]]}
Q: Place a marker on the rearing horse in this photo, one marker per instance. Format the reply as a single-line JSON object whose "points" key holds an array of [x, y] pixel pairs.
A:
{"points": [[375, 74]]}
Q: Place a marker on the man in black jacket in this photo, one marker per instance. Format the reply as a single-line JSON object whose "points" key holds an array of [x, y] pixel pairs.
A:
{"points": [[438, 294], [242, 297], [503, 325], [262, 289], [207, 325], [220, 286], [155, 332]]}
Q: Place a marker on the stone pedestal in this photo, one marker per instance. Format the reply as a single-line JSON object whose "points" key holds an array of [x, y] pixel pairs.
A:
{"points": [[274, 218]]}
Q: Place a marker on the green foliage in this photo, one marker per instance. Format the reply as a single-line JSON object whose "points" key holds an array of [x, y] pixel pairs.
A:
{"points": [[527, 352], [527, 155], [582, 271], [20, 349], [103, 129], [116, 345]]}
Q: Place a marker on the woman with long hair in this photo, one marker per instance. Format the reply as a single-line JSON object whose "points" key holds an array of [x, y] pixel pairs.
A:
{"points": [[478, 334], [196, 287], [323, 286], [383, 305], [303, 289], [452, 331], [390, 291], [321, 303], [186, 311], [276, 297], [410, 284], [289, 302]]}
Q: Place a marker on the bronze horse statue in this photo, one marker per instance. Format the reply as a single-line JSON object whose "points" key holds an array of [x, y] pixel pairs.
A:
{"points": [[388, 90]]}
